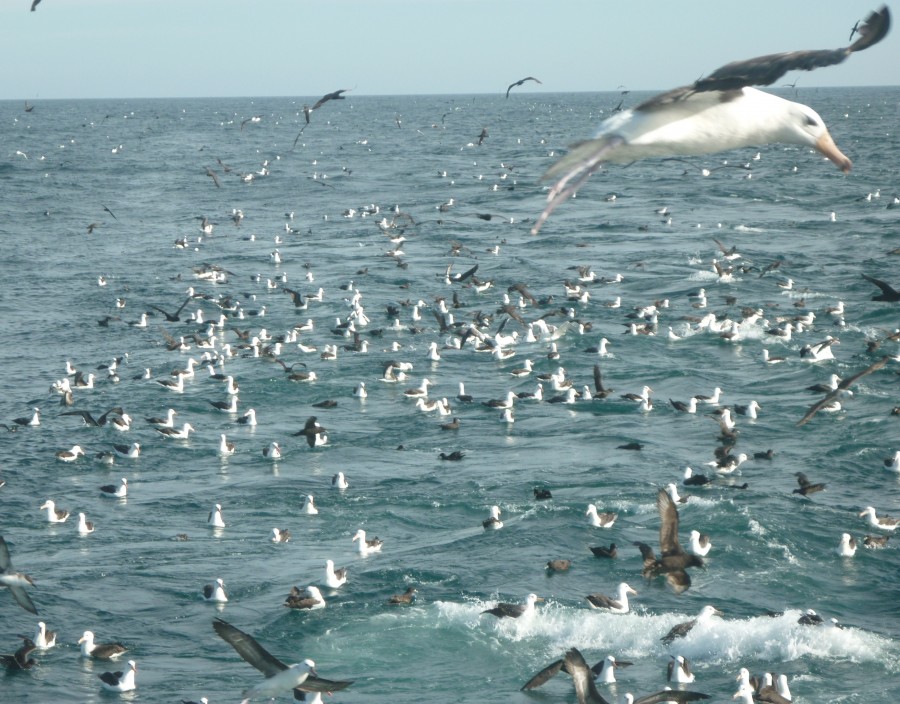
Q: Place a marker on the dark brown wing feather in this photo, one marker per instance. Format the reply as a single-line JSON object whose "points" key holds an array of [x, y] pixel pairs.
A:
{"points": [[671, 695], [668, 527], [585, 689], [249, 650], [548, 673], [765, 70]]}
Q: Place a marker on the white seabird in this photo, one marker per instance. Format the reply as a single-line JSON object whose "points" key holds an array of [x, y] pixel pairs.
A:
{"points": [[99, 651], [334, 578], [367, 546], [617, 605], [847, 546], [54, 515], [700, 543], [85, 527], [309, 507], [716, 113], [882, 522], [493, 522], [215, 517], [119, 681], [44, 639], [679, 671], [215, 592], [600, 520]]}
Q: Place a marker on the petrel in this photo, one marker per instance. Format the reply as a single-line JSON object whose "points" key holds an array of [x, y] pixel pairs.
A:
{"points": [[714, 114], [672, 560]]}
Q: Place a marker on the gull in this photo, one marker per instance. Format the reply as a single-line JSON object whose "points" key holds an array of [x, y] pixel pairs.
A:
{"points": [[15, 581], [300, 677], [716, 113]]}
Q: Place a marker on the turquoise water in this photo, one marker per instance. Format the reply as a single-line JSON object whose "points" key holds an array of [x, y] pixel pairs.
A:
{"points": [[132, 581]]}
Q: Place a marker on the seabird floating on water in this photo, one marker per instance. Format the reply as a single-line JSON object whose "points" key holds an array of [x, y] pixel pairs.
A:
{"points": [[334, 578], [406, 597], [369, 545], [716, 113], [847, 546], [281, 535], [882, 522], [600, 520], [21, 659], [215, 517], [493, 522], [54, 515], [113, 491], [680, 630], [504, 610], [119, 681], [99, 651], [616, 605], [215, 592], [307, 599]]}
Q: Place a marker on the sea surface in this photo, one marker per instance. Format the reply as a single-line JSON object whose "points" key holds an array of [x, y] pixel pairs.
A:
{"points": [[133, 581]]}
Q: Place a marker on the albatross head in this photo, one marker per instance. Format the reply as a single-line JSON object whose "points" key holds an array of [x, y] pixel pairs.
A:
{"points": [[809, 128]]}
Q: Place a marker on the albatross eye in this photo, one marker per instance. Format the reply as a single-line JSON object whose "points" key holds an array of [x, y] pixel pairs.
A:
{"points": [[811, 121]]}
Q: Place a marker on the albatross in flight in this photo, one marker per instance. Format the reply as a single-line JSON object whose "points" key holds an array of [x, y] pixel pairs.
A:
{"points": [[520, 82], [714, 114], [300, 677], [14, 581]]}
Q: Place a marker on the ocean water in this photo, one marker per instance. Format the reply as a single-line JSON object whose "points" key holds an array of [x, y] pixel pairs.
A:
{"points": [[132, 581]]}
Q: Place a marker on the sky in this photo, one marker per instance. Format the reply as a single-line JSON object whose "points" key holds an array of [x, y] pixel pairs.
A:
{"points": [[222, 48]]}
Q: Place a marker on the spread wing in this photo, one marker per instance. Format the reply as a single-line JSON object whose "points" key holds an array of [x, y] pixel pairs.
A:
{"points": [[320, 684], [585, 689], [249, 650], [668, 527], [765, 70], [548, 673], [886, 288], [673, 695]]}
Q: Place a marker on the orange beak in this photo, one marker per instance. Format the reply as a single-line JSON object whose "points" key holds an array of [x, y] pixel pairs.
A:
{"points": [[825, 145]]}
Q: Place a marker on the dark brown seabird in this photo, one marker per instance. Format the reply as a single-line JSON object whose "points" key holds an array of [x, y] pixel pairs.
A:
{"points": [[520, 82], [673, 560]]}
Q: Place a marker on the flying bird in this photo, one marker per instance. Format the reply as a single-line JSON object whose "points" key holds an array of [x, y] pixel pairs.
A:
{"points": [[15, 581], [888, 293], [35, 4], [716, 113], [300, 677], [672, 560], [842, 389], [336, 95], [520, 82], [586, 691]]}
